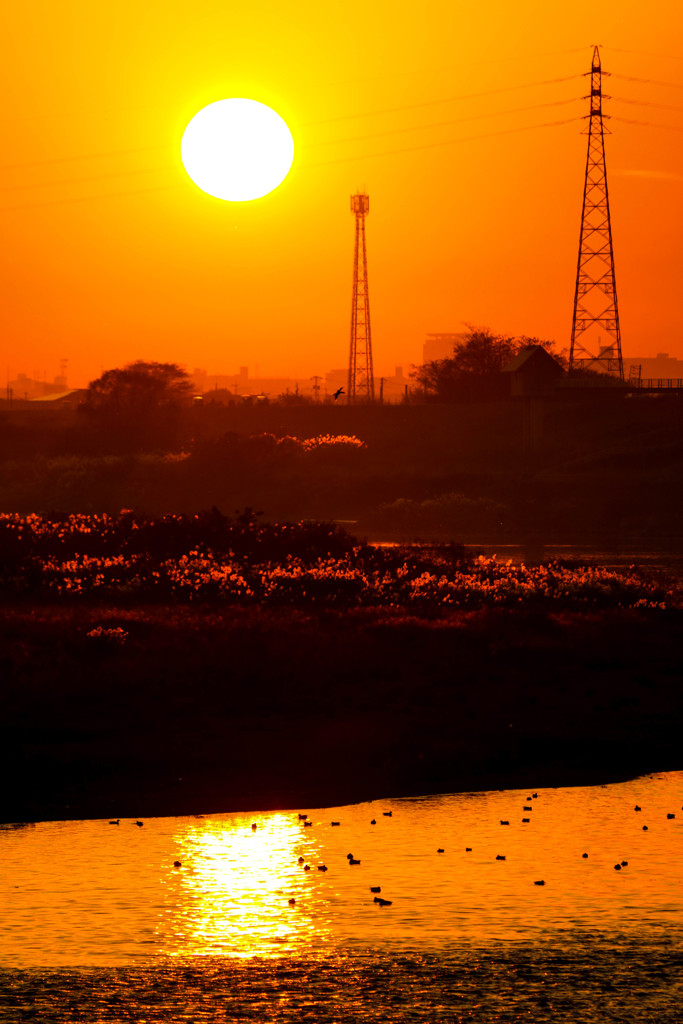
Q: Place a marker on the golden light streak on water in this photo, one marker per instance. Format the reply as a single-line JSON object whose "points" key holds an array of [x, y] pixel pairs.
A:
{"points": [[88, 893], [231, 894]]}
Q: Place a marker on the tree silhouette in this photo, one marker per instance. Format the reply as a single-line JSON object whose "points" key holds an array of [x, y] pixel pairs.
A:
{"points": [[138, 407], [474, 371]]}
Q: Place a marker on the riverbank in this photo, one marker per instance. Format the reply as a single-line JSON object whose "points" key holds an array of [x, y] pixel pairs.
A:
{"points": [[117, 710]]}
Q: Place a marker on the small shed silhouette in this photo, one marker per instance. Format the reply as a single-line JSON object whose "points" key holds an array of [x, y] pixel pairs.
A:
{"points": [[533, 373]]}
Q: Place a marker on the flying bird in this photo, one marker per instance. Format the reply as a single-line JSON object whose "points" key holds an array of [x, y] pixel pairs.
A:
{"points": [[337, 393]]}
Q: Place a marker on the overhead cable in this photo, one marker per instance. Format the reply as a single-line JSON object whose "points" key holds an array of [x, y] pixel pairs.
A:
{"points": [[448, 142], [441, 124], [447, 99]]}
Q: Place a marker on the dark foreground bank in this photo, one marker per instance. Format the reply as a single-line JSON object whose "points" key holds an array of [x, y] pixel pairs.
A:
{"points": [[115, 711]]}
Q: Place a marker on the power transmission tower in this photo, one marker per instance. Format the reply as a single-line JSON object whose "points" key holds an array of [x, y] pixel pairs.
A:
{"points": [[361, 386], [595, 298]]}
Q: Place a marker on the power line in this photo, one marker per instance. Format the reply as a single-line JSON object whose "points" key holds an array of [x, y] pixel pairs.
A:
{"points": [[85, 199], [448, 99], [79, 181], [646, 103], [344, 117], [448, 142], [648, 124], [646, 81], [644, 53], [441, 124], [84, 156], [324, 163], [394, 131]]}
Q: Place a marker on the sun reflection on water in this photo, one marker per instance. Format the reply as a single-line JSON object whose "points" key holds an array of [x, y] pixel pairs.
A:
{"points": [[86, 893], [232, 893]]}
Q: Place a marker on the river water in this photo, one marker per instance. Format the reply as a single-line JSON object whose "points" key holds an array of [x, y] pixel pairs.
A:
{"points": [[99, 925]]}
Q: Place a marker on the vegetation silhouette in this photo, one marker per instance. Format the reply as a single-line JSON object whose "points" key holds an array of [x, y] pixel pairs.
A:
{"points": [[474, 371], [136, 408], [212, 558]]}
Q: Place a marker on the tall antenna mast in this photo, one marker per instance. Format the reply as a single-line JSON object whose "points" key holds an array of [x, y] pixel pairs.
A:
{"points": [[361, 385], [595, 280]]}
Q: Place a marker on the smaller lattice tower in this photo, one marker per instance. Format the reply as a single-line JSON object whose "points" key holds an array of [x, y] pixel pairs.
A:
{"points": [[361, 385], [596, 337]]}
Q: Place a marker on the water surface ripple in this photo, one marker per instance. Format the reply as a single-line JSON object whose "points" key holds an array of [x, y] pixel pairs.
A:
{"points": [[98, 923]]}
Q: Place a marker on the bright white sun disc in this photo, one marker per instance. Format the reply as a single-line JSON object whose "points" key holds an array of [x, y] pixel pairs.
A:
{"points": [[237, 149]]}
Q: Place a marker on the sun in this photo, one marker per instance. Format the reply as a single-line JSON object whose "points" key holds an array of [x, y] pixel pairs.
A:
{"points": [[237, 149]]}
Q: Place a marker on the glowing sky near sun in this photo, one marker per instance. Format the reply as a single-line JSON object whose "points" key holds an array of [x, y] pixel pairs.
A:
{"points": [[111, 254]]}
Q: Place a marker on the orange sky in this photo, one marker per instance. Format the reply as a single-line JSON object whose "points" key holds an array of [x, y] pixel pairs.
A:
{"points": [[110, 253]]}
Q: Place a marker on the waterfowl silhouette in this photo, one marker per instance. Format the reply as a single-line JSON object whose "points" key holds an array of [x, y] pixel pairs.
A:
{"points": [[534, 796], [307, 867], [468, 849], [527, 808], [139, 823], [253, 826], [584, 855], [349, 856], [114, 822], [302, 817], [505, 822], [637, 808], [440, 850], [644, 828], [177, 864], [617, 867], [301, 860], [335, 823], [526, 821], [387, 814], [540, 882], [624, 863], [670, 816], [353, 861], [375, 888], [373, 822], [322, 867], [499, 857], [291, 902], [308, 824], [382, 903]]}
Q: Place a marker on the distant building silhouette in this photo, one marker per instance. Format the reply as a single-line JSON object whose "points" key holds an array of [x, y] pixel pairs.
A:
{"points": [[440, 346], [662, 365]]}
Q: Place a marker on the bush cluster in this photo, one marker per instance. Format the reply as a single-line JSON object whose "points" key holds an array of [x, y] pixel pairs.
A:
{"points": [[211, 557]]}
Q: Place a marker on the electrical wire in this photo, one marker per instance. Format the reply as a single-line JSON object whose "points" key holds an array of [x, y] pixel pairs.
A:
{"points": [[368, 156], [448, 99], [644, 53], [646, 103], [334, 142], [79, 181], [648, 124], [344, 117], [83, 156], [441, 124], [85, 199], [645, 81], [447, 142]]}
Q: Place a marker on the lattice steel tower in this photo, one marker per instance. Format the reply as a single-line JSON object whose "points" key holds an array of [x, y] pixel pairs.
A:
{"points": [[595, 298], [361, 386]]}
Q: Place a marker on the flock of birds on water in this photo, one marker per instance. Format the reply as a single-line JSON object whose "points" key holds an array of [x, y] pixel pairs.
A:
{"points": [[376, 889]]}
